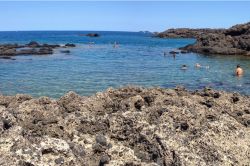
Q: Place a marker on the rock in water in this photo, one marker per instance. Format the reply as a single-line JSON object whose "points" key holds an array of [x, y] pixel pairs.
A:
{"points": [[65, 51], [93, 35], [127, 126], [70, 45], [173, 52], [33, 44]]}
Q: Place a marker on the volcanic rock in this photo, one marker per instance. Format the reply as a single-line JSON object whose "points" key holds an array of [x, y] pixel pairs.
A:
{"points": [[70, 45], [173, 52], [232, 41], [33, 44], [51, 45], [126, 126], [32, 48], [7, 51], [186, 32]]}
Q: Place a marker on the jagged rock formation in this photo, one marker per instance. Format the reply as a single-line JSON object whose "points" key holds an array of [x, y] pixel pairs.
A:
{"points": [[128, 126], [32, 48], [232, 41], [187, 32]]}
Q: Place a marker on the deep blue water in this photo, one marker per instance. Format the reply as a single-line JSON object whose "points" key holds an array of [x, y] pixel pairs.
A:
{"points": [[138, 61]]}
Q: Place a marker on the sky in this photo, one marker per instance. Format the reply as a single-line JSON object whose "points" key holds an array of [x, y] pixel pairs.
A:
{"points": [[120, 16]]}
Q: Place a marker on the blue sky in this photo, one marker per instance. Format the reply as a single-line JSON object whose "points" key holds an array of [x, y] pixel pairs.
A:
{"points": [[120, 16]]}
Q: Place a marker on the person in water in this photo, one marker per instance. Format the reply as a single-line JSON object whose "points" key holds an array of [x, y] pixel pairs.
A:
{"points": [[91, 44], [184, 67], [116, 45], [197, 65], [239, 71], [174, 55]]}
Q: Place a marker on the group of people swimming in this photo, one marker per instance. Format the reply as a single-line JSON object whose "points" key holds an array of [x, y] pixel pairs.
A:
{"points": [[238, 71], [115, 44], [197, 65]]}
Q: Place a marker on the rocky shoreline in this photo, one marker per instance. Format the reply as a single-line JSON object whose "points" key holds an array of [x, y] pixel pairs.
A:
{"points": [[129, 126], [232, 41], [187, 32], [32, 48]]}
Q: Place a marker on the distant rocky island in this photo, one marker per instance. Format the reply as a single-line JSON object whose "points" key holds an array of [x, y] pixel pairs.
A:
{"points": [[232, 41], [130, 126], [90, 35]]}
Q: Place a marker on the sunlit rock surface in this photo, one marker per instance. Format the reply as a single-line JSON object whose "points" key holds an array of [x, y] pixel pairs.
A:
{"points": [[128, 126]]}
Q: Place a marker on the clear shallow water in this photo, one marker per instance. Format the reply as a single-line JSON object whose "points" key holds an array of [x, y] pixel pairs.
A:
{"points": [[138, 61]]}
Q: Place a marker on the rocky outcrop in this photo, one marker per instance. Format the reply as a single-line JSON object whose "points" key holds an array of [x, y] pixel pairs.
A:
{"points": [[187, 32], [33, 44], [70, 45], [127, 126], [32, 48], [232, 41], [92, 35]]}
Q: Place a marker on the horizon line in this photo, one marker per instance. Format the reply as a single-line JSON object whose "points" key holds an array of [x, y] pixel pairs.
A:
{"points": [[73, 30], [130, 30]]}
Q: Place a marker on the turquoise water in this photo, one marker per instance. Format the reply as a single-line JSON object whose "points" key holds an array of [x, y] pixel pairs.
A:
{"points": [[138, 61]]}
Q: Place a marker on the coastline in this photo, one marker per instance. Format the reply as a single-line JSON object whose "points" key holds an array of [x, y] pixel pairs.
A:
{"points": [[130, 125], [232, 41], [145, 84]]}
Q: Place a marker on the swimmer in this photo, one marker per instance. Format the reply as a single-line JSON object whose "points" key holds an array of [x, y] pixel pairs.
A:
{"points": [[184, 67], [91, 44], [174, 55], [197, 65], [115, 45], [239, 71]]}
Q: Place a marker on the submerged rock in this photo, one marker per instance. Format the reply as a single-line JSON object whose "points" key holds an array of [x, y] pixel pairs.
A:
{"points": [[65, 51], [7, 57], [127, 126]]}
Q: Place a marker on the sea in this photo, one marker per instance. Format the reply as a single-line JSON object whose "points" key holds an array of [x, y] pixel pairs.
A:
{"points": [[137, 60]]}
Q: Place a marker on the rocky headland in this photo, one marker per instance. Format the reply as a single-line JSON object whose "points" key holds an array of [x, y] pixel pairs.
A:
{"points": [[32, 48], [130, 126], [232, 41], [187, 32]]}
